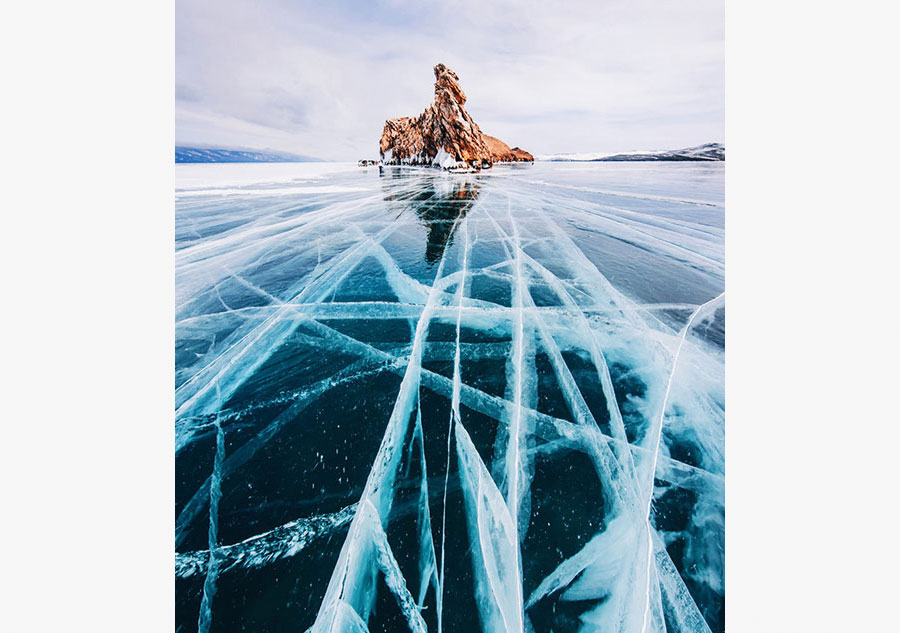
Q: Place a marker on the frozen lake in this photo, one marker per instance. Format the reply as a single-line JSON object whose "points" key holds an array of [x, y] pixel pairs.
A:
{"points": [[414, 400]]}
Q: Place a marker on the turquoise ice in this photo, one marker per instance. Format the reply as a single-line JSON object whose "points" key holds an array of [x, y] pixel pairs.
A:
{"points": [[409, 399]]}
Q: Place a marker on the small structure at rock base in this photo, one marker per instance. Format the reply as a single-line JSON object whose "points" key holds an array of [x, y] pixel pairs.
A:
{"points": [[445, 135]]}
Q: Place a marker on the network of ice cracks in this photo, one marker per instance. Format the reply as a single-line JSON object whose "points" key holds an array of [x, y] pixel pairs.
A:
{"points": [[544, 453]]}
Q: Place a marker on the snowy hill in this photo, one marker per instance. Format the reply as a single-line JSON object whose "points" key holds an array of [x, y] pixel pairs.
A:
{"points": [[706, 152], [217, 155]]}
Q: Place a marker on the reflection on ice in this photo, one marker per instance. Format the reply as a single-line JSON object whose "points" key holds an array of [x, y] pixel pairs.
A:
{"points": [[438, 204], [412, 400]]}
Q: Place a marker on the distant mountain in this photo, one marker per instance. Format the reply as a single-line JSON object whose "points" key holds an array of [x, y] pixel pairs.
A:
{"points": [[707, 152], [217, 155]]}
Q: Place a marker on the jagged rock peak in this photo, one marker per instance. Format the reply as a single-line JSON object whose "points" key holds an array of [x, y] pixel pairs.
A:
{"points": [[447, 80], [444, 134]]}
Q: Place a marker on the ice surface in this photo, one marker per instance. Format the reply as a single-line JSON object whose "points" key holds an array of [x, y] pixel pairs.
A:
{"points": [[414, 400]]}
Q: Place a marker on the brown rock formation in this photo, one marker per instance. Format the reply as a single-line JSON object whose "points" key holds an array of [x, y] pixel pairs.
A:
{"points": [[502, 153], [444, 134]]}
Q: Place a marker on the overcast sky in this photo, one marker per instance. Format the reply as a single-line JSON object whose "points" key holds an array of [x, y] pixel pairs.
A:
{"points": [[320, 78]]}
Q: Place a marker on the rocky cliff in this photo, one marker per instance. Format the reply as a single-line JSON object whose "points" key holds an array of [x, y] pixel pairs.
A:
{"points": [[444, 134]]}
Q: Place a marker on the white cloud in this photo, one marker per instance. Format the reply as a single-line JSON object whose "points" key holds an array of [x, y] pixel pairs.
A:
{"points": [[320, 78]]}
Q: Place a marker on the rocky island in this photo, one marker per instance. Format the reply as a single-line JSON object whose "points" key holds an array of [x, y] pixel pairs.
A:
{"points": [[445, 135]]}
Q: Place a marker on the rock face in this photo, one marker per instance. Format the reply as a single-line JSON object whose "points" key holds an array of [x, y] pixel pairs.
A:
{"points": [[444, 134], [502, 153]]}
